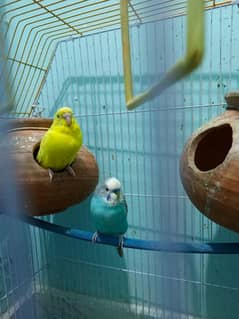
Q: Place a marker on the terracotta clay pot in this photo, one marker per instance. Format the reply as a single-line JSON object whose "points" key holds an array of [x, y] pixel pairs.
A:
{"points": [[209, 167], [41, 196]]}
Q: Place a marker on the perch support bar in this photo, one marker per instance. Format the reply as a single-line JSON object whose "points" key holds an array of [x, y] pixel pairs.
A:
{"points": [[191, 60]]}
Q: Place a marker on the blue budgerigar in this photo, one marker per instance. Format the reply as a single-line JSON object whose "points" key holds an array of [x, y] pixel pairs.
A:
{"points": [[109, 211]]}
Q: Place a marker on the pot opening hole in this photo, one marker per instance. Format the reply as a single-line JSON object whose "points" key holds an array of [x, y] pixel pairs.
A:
{"points": [[35, 151], [213, 147]]}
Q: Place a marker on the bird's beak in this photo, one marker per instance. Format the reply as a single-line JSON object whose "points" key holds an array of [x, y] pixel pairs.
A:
{"points": [[68, 118]]}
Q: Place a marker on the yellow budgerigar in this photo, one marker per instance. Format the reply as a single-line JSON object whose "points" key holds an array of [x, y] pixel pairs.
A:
{"points": [[60, 144]]}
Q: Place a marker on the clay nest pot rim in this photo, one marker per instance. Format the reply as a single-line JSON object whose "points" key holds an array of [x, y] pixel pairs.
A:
{"points": [[232, 99]]}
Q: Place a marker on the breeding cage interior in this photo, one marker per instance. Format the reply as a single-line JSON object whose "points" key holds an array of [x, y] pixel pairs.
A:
{"points": [[67, 52]]}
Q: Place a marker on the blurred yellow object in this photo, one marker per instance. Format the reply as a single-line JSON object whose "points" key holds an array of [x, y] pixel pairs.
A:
{"points": [[191, 60]]}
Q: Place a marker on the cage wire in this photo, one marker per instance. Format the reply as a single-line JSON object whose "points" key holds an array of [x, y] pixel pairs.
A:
{"points": [[33, 29], [69, 53], [16, 260]]}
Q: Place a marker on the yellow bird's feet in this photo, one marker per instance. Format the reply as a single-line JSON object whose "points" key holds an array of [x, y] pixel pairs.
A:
{"points": [[51, 174], [70, 170]]}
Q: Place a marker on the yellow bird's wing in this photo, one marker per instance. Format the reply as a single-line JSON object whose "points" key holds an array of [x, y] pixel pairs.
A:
{"points": [[58, 148]]}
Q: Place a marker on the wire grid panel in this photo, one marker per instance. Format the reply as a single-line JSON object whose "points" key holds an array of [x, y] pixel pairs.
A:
{"points": [[23, 259], [32, 29], [16, 262], [142, 148]]}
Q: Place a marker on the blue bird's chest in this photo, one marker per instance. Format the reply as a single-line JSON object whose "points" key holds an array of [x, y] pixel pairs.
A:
{"points": [[111, 220]]}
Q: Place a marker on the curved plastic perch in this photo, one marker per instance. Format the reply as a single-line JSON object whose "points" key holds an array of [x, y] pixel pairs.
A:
{"points": [[161, 246], [40, 196], [210, 164], [191, 60]]}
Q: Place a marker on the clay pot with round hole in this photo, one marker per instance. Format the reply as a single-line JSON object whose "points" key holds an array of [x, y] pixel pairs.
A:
{"points": [[40, 196], [209, 167]]}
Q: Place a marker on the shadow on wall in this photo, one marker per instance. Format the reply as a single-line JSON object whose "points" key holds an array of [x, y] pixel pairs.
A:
{"points": [[83, 268], [222, 278], [180, 293]]}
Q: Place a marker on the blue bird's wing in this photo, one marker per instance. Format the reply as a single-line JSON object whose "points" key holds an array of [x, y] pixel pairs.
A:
{"points": [[125, 204]]}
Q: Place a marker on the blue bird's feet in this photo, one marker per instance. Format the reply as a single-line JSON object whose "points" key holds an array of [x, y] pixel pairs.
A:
{"points": [[120, 244], [94, 237]]}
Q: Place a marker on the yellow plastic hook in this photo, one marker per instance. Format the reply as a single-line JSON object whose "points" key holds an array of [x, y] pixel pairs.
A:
{"points": [[191, 60]]}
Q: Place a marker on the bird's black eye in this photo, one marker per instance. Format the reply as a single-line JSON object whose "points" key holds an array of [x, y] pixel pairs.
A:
{"points": [[58, 116], [106, 189]]}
